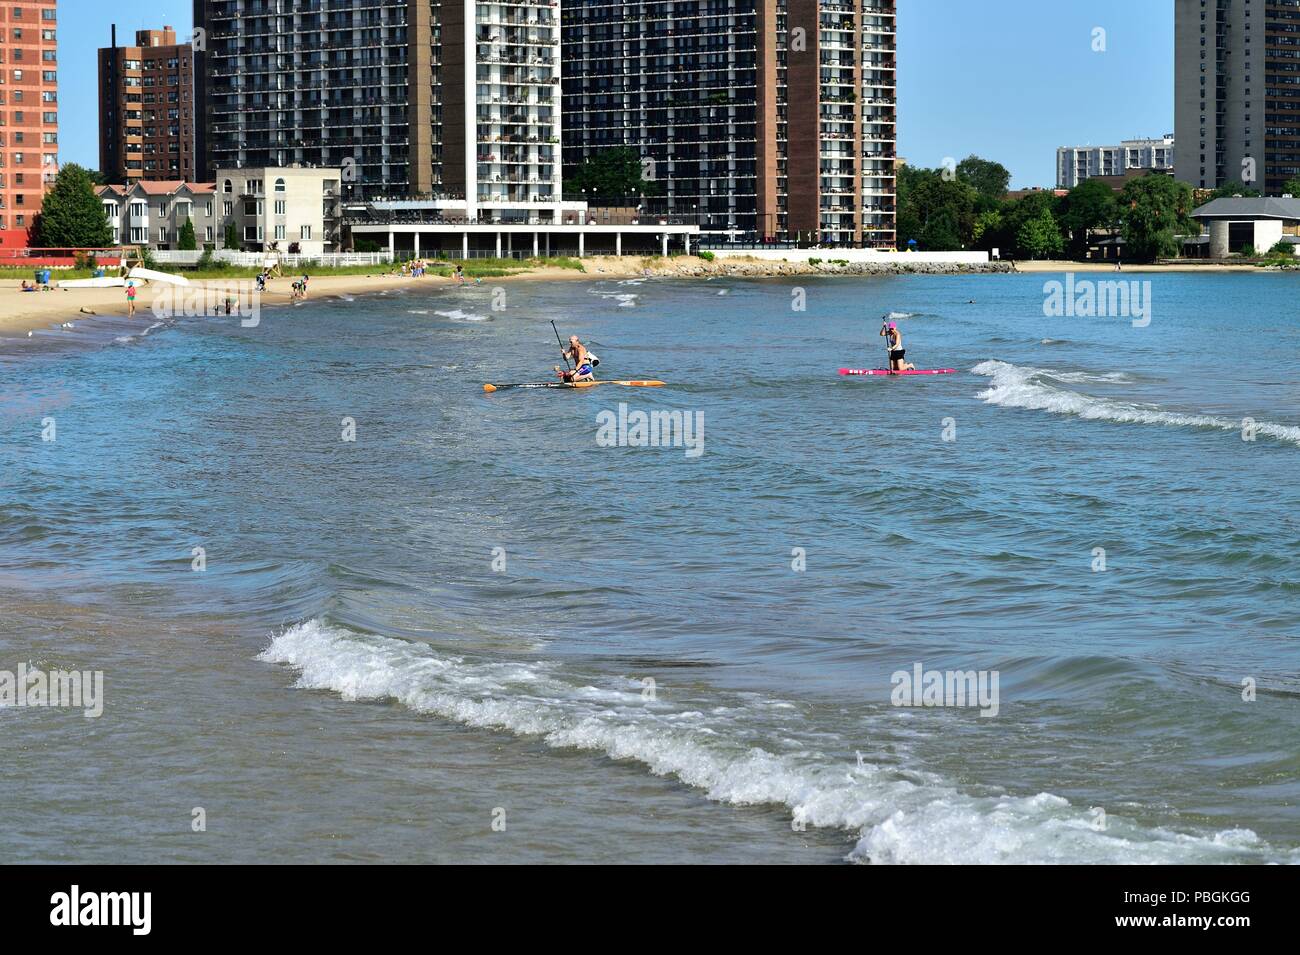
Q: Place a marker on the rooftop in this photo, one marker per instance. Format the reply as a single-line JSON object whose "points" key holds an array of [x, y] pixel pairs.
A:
{"points": [[1241, 207]]}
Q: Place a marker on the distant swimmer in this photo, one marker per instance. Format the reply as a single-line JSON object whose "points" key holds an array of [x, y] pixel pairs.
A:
{"points": [[894, 342], [584, 362]]}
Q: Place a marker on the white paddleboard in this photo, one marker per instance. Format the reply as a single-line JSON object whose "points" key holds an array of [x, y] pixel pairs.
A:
{"points": [[152, 275]]}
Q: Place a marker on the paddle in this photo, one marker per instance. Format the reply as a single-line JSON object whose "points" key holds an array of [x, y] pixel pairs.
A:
{"points": [[563, 354]]}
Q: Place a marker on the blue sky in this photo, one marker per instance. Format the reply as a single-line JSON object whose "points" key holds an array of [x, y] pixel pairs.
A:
{"points": [[83, 29], [1008, 80]]}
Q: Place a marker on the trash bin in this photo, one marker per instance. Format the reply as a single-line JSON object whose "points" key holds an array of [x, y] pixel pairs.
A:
{"points": [[99, 273], [42, 276]]}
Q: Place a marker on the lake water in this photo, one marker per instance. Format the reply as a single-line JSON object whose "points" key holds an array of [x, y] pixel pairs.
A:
{"points": [[475, 632]]}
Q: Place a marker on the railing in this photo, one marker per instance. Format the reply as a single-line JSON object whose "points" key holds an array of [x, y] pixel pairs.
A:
{"points": [[286, 259]]}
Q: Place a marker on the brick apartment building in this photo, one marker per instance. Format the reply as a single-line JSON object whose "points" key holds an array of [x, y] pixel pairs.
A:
{"points": [[29, 118], [146, 108]]}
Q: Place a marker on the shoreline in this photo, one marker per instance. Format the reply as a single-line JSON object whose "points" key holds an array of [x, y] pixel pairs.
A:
{"points": [[24, 312]]}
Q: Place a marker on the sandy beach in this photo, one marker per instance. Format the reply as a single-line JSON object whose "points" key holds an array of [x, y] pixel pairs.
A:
{"points": [[21, 312]]}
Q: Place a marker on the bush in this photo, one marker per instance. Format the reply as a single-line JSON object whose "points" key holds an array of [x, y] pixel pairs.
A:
{"points": [[1248, 252], [706, 255], [1283, 248], [814, 261]]}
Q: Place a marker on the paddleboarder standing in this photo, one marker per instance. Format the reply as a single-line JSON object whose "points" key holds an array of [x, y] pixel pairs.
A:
{"points": [[894, 342]]}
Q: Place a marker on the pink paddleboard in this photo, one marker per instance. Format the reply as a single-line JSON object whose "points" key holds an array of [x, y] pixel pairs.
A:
{"points": [[882, 371]]}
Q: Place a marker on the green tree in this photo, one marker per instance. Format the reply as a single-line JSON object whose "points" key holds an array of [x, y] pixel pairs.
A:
{"points": [[230, 240], [72, 216], [1089, 205], [613, 173], [1039, 237], [936, 210], [1292, 187], [1039, 208], [1153, 210], [990, 179], [1230, 189], [187, 240], [987, 229]]}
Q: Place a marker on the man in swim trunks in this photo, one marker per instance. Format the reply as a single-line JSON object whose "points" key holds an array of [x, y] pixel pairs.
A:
{"points": [[894, 342], [582, 370]]}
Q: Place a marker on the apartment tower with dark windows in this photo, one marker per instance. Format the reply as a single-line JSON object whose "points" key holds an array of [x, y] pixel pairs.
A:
{"points": [[345, 84], [763, 119], [1237, 92]]}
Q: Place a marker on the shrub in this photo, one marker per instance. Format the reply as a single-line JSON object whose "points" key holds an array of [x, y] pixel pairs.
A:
{"points": [[706, 255]]}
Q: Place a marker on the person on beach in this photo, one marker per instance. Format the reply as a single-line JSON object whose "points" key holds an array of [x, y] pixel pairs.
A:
{"points": [[460, 275], [894, 342], [584, 363], [303, 287], [130, 300]]}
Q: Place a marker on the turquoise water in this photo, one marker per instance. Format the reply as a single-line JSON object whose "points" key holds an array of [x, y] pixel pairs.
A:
{"points": [[461, 611]]}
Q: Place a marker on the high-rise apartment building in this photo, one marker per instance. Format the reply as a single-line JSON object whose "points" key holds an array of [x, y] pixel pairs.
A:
{"points": [[453, 99], [146, 108], [761, 118], [1237, 92], [29, 117], [348, 84], [500, 99], [1075, 164]]}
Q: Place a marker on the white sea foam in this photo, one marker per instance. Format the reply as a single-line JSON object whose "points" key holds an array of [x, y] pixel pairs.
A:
{"points": [[895, 316], [126, 339], [457, 315], [918, 819], [1016, 386], [624, 299]]}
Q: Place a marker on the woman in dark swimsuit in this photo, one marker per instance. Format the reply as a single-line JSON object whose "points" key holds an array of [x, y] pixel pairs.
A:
{"points": [[897, 353]]}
